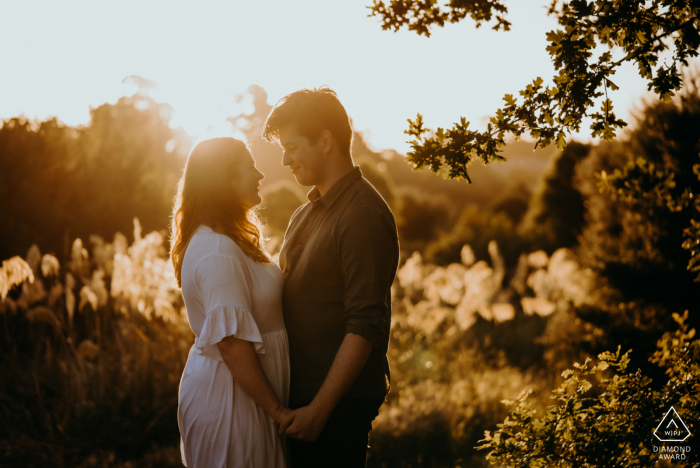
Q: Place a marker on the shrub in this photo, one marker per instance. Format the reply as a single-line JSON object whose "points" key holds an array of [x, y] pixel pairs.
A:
{"points": [[607, 423]]}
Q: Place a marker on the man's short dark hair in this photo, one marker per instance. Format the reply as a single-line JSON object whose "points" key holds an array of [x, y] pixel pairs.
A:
{"points": [[311, 111]]}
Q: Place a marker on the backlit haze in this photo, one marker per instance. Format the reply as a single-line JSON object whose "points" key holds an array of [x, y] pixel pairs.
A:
{"points": [[61, 58]]}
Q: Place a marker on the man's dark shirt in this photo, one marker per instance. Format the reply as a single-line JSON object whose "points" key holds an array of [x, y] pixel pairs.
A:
{"points": [[339, 258]]}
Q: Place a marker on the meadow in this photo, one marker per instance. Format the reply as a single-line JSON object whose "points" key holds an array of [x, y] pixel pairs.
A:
{"points": [[98, 346]]}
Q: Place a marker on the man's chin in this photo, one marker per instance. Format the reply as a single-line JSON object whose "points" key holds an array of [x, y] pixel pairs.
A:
{"points": [[302, 181]]}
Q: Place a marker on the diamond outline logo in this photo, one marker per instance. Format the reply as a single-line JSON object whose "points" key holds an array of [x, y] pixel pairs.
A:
{"points": [[674, 423]]}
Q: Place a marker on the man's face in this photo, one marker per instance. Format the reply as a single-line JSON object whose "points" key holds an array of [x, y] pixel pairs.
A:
{"points": [[306, 160]]}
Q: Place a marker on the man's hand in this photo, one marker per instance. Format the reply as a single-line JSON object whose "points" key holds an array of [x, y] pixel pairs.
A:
{"points": [[305, 423], [285, 421]]}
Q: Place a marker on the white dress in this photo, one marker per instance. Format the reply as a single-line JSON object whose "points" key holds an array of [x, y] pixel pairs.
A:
{"points": [[228, 293]]}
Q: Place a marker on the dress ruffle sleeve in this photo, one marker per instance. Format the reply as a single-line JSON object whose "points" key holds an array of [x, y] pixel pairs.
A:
{"points": [[225, 287], [223, 321]]}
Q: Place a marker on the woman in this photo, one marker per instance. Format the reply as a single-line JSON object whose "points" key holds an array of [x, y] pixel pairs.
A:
{"points": [[236, 382]]}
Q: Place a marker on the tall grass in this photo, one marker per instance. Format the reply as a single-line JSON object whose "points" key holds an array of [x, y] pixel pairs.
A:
{"points": [[91, 357], [93, 350]]}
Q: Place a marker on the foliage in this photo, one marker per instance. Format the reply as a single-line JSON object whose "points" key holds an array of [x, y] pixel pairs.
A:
{"points": [[58, 182], [644, 31], [692, 243], [465, 337], [91, 363], [607, 426], [642, 203], [419, 15], [643, 186]]}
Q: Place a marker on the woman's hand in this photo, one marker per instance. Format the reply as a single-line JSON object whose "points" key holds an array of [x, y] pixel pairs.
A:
{"points": [[282, 414], [305, 423]]}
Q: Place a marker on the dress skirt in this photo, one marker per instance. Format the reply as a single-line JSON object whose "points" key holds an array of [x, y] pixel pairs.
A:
{"points": [[220, 425]]}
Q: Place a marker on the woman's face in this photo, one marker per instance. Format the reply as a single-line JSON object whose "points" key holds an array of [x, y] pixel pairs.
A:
{"points": [[246, 181]]}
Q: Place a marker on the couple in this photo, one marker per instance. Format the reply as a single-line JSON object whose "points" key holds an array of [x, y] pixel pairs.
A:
{"points": [[289, 362]]}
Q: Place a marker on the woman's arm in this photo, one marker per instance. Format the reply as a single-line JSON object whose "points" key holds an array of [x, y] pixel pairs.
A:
{"points": [[242, 361]]}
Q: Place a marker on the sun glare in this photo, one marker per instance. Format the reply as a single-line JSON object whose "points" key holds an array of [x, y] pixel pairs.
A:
{"points": [[60, 61]]}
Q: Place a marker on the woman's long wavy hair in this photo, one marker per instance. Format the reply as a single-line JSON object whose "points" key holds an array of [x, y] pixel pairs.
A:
{"points": [[205, 196]]}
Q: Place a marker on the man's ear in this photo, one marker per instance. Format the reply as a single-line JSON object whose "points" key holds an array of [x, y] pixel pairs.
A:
{"points": [[326, 139]]}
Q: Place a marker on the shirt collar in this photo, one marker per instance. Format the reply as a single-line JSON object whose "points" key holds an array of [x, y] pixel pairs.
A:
{"points": [[336, 190]]}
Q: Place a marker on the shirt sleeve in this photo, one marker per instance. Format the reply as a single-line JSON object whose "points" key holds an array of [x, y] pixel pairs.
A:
{"points": [[369, 254], [225, 288]]}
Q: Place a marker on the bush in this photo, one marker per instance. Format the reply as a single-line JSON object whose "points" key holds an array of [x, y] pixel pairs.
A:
{"points": [[607, 424], [477, 228]]}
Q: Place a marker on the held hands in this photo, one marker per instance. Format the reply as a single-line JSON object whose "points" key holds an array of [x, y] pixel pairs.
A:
{"points": [[281, 414], [305, 423]]}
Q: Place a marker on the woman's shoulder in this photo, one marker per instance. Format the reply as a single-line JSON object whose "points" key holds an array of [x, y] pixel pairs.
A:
{"points": [[210, 242], [206, 243]]}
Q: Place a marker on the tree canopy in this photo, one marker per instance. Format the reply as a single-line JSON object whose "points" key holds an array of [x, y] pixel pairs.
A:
{"points": [[645, 32], [658, 36]]}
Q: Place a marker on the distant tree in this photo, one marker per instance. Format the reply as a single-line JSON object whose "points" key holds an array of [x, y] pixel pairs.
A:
{"points": [[555, 216], [421, 219], [37, 174], [132, 162], [640, 195], [380, 180], [268, 156], [279, 202], [638, 226], [477, 228], [514, 203], [644, 30], [58, 182]]}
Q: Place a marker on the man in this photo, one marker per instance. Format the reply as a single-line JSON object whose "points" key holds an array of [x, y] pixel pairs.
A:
{"points": [[339, 258]]}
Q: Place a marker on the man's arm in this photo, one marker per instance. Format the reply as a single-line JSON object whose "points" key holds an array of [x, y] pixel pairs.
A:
{"points": [[308, 422]]}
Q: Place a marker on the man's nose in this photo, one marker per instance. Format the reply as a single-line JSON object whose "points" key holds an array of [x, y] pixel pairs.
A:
{"points": [[286, 160]]}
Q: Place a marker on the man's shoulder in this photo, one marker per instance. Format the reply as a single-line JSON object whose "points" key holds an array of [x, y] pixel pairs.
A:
{"points": [[297, 212], [367, 209], [366, 197]]}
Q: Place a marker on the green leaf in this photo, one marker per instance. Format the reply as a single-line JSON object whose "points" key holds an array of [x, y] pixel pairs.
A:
{"points": [[584, 386], [561, 141], [601, 366]]}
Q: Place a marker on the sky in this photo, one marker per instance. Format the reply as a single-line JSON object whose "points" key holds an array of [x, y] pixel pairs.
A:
{"points": [[62, 58]]}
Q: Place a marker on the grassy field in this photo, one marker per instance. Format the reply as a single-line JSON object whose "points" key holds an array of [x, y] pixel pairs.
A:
{"points": [[93, 350]]}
